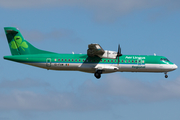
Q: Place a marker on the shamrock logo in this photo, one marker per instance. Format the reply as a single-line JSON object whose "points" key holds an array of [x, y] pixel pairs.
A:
{"points": [[18, 43]]}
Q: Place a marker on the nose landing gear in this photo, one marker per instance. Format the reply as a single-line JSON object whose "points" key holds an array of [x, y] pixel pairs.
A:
{"points": [[166, 76], [98, 73]]}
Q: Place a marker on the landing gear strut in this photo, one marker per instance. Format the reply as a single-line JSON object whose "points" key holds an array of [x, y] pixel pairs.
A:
{"points": [[166, 76], [98, 73]]}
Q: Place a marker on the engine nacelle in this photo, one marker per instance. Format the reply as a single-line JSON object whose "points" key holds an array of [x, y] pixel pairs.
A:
{"points": [[94, 49], [97, 50], [109, 54]]}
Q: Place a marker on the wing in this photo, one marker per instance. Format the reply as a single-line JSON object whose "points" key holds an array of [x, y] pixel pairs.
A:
{"points": [[95, 50]]}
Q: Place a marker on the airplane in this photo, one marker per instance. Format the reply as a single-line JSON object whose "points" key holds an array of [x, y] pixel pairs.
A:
{"points": [[97, 60]]}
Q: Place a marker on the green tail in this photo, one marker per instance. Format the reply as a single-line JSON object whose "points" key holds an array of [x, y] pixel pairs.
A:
{"points": [[18, 45]]}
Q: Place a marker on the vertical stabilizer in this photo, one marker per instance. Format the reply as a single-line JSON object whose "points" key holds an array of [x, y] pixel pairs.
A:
{"points": [[18, 45]]}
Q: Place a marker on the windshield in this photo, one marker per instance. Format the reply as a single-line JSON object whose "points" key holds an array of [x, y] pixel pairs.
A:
{"points": [[164, 59]]}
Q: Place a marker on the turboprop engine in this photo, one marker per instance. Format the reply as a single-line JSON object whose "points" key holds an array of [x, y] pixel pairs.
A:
{"points": [[97, 50]]}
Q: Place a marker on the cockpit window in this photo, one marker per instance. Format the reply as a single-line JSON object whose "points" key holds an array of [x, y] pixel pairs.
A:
{"points": [[164, 59]]}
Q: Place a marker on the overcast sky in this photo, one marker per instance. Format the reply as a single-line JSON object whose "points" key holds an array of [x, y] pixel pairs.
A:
{"points": [[142, 27]]}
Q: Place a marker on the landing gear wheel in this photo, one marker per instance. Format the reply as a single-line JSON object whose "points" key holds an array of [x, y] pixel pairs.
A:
{"points": [[166, 76], [97, 75]]}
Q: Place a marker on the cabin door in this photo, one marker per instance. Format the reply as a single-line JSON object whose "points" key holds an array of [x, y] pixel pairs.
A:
{"points": [[48, 62]]}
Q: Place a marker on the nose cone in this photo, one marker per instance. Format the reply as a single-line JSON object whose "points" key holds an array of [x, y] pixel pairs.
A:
{"points": [[175, 66]]}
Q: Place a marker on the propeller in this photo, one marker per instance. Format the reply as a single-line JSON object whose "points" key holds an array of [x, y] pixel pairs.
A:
{"points": [[119, 53]]}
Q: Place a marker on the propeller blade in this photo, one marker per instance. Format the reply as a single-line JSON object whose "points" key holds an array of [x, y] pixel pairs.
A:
{"points": [[119, 53], [118, 60], [119, 49]]}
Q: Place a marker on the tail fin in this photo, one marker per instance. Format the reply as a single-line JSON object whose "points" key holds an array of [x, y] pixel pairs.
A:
{"points": [[18, 45]]}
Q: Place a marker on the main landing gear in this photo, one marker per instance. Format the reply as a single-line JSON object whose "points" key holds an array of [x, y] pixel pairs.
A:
{"points": [[166, 76], [98, 73]]}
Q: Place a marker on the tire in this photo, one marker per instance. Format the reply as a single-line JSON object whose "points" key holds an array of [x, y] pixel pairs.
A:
{"points": [[166, 76], [97, 75]]}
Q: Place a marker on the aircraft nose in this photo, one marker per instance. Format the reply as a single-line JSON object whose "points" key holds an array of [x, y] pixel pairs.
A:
{"points": [[175, 66]]}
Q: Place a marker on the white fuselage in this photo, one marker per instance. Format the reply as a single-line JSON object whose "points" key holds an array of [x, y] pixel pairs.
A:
{"points": [[107, 68]]}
